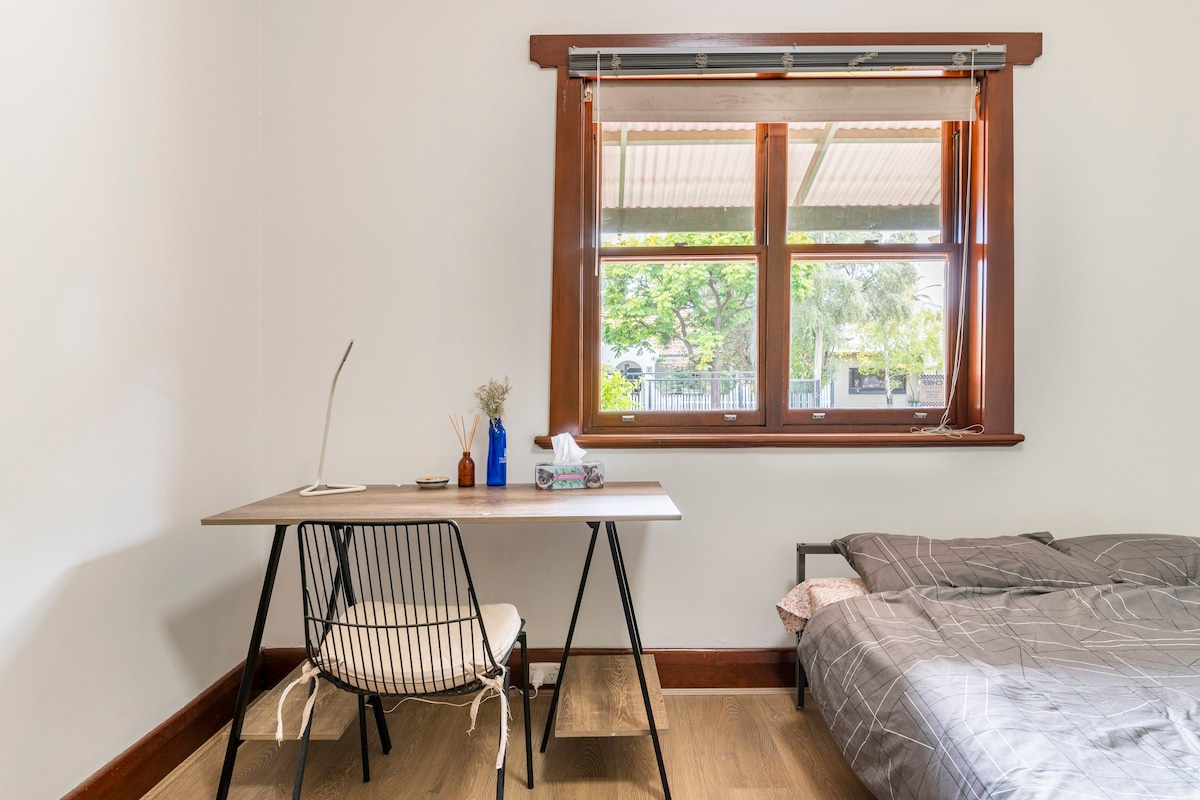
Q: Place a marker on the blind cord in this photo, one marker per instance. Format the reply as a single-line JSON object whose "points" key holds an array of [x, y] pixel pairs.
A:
{"points": [[943, 428]]}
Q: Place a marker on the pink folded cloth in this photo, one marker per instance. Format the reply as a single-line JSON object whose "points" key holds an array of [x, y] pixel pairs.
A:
{"points": [[812, 595]]}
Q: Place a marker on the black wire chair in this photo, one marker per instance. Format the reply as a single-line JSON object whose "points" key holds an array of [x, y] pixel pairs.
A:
{"points": [[390, 610]]}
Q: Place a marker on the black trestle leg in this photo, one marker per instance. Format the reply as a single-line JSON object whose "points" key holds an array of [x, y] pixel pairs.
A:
{"points": [[243, 697], [303, 754], [562, 665], [635, 639]]}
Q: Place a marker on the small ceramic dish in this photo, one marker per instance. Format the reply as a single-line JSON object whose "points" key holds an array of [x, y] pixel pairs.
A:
{"points": [[432, 482]]}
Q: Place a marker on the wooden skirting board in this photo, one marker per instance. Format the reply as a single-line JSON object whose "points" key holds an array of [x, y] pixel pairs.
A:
{"points": [[135, 771]]}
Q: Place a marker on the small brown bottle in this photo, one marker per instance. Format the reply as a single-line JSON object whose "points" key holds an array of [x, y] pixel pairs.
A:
{"points": [[466, 470]]}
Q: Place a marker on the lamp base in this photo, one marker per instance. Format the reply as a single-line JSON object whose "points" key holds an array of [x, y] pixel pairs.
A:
{"points": [[330, 488]]}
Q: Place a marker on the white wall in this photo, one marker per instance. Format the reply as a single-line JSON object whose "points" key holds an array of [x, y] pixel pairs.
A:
{"points": [[131, 364], [408, 187], [178, 283]]}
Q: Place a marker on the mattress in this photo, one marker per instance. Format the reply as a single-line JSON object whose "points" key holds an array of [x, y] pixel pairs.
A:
{"points": [[935, 692]]}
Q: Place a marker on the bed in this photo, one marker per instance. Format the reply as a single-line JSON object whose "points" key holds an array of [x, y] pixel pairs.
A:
{"points": [[1014, 667]]}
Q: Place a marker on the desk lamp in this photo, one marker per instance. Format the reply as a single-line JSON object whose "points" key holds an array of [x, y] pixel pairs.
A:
{"points": [[333, 488]]}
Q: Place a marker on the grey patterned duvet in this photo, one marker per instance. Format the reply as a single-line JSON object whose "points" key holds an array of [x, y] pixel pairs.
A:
{"points": [[935, 693]]}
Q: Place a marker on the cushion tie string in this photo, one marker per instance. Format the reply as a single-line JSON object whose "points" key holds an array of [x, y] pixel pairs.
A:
{"points": [[310, 672], [494, 685]]}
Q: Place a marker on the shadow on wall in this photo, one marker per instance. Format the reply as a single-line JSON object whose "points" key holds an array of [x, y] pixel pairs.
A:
{"points": [[101, 647]]}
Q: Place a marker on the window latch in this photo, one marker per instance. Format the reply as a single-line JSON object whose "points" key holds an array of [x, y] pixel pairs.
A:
{"points": [[627, 418], [730, 417], [818, 415]]}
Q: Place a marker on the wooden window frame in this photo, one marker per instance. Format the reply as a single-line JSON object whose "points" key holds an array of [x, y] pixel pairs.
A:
{"points": [[986, 383]]}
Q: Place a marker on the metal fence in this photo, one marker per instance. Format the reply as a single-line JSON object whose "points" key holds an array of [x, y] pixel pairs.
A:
{"points": [[737, 390], [809, 394], [697, 391], [718, 391]]}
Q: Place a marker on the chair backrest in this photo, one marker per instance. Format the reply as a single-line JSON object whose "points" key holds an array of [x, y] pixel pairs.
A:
{"points": [[390, 609]]}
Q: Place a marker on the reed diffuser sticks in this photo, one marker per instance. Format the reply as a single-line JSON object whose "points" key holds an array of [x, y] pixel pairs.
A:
{"points": [[460, 430]]}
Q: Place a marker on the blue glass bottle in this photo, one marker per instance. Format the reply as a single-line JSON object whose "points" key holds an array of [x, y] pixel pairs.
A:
{"points": [[497, 459]]}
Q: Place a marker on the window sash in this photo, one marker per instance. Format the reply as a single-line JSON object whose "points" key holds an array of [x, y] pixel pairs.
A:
{"points": [[774, 258]]}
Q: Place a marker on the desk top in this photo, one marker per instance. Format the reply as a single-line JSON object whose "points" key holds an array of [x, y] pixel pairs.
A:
{"points": [[521, 502]]}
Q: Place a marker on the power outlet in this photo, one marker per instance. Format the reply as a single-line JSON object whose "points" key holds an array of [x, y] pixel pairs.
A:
{"points": [[545, 670]]}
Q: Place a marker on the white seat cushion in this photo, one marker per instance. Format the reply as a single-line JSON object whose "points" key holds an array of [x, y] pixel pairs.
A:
{"points": [[384, 648]]}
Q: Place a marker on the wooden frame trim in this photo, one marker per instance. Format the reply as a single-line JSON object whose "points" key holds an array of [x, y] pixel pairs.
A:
{"points": [[566, 345], [985, 396], [994, 263], [550, 51], [656, 439]]}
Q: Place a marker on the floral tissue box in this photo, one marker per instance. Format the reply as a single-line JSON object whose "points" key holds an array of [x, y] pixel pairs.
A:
{"points": [[585, 475]]}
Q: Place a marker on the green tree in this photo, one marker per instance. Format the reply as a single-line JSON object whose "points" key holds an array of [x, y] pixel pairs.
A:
{"points": [[616, 391], [874, 308], [705, 310], [826, 302], [898, 337]]}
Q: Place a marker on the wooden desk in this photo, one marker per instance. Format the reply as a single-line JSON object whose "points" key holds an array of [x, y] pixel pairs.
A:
{"points": [[616, 502], [520, 502]]}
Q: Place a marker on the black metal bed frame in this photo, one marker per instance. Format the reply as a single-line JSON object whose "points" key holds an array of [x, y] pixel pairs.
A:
{"points": [[803, 550]]}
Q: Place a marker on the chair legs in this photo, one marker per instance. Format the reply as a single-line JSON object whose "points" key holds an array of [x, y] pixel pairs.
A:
{"points": [[385, 739], [521, 639], [303, 754], [504, 754], [362, 738], [525, 697]]}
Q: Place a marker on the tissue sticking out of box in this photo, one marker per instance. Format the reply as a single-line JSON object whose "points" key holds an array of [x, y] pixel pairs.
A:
{"points": [[565, 449], [568, 470]]}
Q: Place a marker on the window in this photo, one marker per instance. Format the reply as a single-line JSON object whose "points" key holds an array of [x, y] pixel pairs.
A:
{"points": [[757, 272]]}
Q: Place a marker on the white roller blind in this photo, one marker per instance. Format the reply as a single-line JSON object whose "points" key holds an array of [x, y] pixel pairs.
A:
{"points": [[784, 100]]}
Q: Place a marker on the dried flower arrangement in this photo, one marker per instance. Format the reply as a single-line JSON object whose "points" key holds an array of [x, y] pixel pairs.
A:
{"points": [[491, 397]]}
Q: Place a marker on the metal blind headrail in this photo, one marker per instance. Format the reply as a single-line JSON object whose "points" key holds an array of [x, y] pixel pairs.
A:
{"points": [[611, 62]]}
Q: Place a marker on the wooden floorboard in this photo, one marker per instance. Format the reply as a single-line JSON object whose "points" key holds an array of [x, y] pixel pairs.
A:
{"points": [[601, 697], [720, 747], [334, 711]]}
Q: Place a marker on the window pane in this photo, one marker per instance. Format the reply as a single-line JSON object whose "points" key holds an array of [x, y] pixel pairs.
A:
{"points": [[867, 334], [679, 336], [851, 182], [664, 182]]}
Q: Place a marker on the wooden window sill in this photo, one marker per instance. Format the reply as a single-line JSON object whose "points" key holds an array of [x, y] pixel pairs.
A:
{"points": [[650, 440]]}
